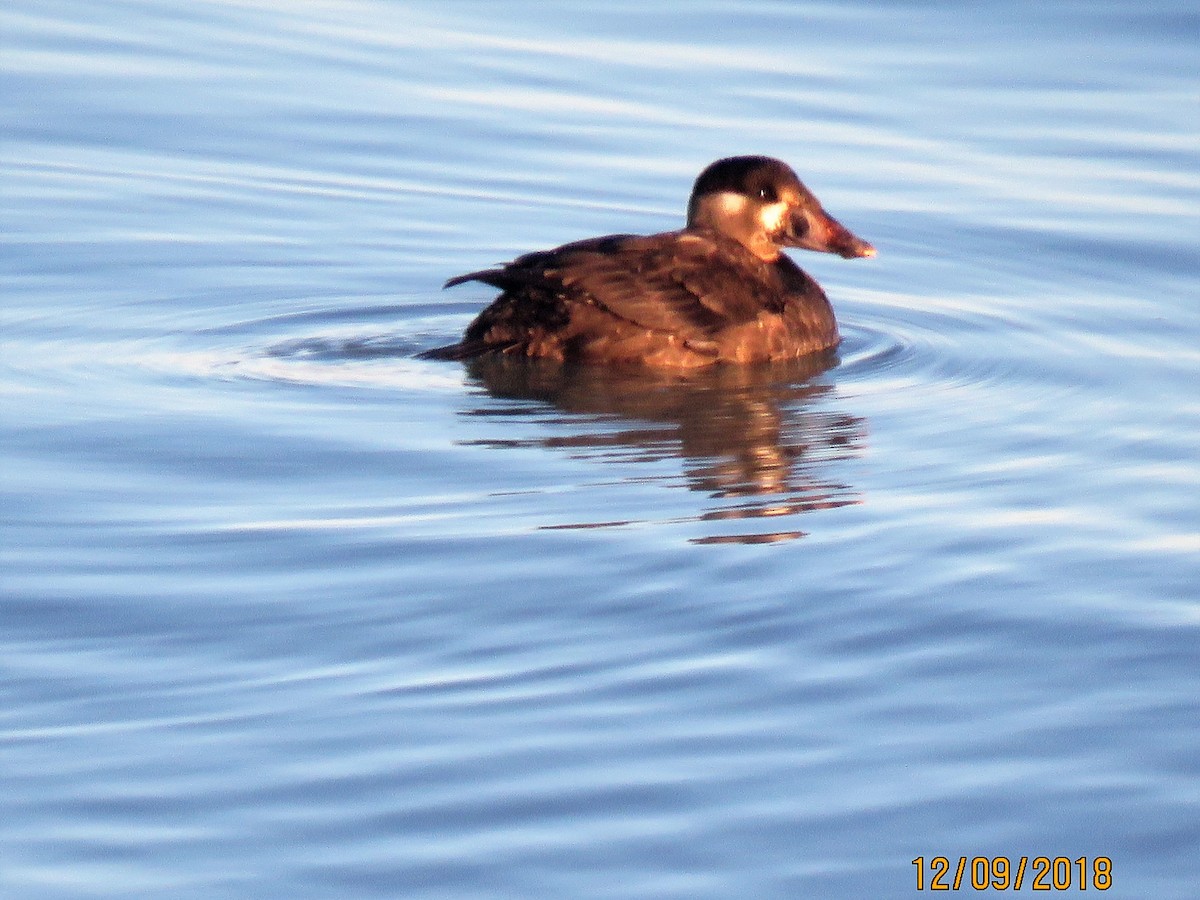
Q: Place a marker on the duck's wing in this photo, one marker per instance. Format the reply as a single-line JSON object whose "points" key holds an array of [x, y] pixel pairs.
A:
{"points": [[539, 268], [684, 283]]}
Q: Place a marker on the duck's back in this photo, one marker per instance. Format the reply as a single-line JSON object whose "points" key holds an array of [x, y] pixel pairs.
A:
{"points": [[683, 298]]}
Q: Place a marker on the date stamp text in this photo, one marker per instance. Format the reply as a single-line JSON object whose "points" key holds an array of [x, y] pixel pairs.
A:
{"points": [[1000, 873]]}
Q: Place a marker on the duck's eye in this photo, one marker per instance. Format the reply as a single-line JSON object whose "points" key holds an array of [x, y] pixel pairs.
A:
{"points": [[767, 194]]}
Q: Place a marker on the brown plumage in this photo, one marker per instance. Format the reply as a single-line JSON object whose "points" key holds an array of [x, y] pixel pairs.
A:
{"points": [[718, 290]]}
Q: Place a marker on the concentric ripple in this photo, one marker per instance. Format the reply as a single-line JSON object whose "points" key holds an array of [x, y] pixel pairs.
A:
{"points": [[906, 343]]}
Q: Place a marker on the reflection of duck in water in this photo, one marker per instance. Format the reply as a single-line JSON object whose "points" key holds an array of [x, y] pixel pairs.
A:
{"points": [[759, 441], [719, 290]]}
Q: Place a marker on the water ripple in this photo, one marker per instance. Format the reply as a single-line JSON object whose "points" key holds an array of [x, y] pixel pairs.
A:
{"points": [[909, 344]]}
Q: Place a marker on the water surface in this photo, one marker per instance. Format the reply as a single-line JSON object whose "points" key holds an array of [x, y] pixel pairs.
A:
{"points": [[287, 611]]}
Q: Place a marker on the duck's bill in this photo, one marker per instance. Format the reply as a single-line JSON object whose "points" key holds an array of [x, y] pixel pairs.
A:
{"points": [[817, 230]]}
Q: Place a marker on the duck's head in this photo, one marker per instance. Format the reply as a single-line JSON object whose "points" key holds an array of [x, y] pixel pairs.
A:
{"points": [[761, 203]]}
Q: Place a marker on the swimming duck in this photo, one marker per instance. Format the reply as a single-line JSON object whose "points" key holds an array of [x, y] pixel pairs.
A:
{"points": [[719, 290]]}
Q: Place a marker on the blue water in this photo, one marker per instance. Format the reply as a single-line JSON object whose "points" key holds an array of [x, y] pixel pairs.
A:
{"points": [[288, 612]]}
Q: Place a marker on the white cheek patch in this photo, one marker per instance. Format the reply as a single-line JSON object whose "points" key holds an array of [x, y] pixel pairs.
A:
{"points": [[773, 216], [732, 205]]}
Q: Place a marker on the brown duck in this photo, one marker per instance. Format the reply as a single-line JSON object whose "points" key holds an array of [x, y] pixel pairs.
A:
{"points": [[720, 290]]}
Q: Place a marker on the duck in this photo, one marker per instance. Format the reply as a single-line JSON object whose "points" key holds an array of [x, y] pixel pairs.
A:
{"points": [[719, 290]]}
